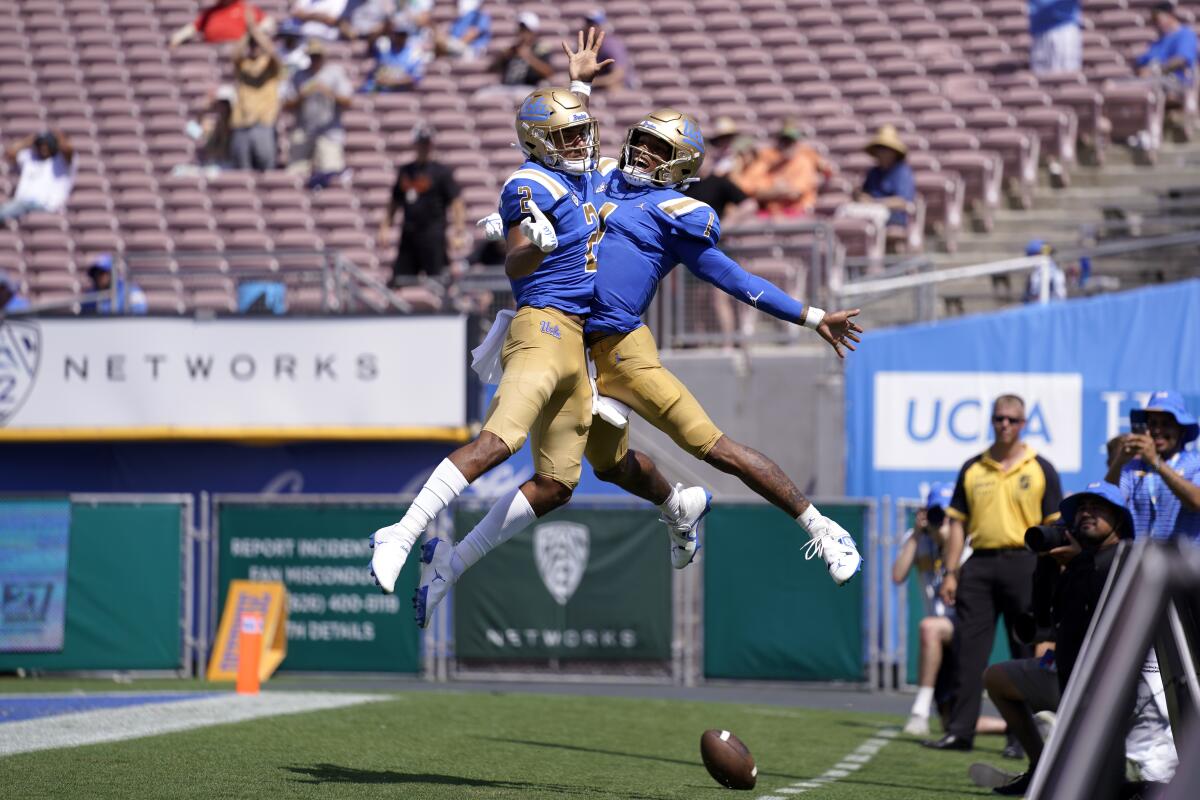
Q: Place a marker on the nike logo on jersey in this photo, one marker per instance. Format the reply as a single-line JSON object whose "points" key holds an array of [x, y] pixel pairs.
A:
{"points": [[754, 297]]}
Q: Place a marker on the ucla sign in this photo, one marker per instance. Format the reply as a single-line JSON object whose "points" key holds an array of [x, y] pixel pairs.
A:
{"points": [[919, 399], [937, 420]]}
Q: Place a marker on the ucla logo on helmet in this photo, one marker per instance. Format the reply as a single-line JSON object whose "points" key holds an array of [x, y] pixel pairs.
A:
{"points": [[579, 115], [535, 110], [690, 133]]}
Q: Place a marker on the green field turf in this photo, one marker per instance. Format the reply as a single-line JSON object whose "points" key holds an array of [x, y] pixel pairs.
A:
{"points": [[495, 745]]}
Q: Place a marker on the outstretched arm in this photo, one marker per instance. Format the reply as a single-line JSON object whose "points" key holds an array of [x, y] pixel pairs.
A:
{"points": [[710, 264]]}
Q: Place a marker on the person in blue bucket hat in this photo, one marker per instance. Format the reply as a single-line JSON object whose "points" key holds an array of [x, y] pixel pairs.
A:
{"points": [[1159, 479]]}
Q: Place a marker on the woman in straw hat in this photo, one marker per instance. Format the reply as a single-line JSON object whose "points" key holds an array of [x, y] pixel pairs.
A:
{"points": [[890, 182]]}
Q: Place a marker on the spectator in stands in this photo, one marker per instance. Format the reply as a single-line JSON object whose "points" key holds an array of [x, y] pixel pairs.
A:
{"points": [[259, 75], [212, 134], [223, 21], [784, 179], [1057, 37], [399, 62], [317, 96], [923, 547], [319, 19], [890, 182], [1158, 477], [426, 193], [999, 494], [120, 296], [47, 164], [366, 19], [717, 188], [523, 64], [619, 73], [291, 47], [1171, 59], [1050, 272], [10, 297], [470, 34]]}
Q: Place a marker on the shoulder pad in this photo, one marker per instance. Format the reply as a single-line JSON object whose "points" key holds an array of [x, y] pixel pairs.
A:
{"points": [[548, 182], [606, 165], [694, 217]]}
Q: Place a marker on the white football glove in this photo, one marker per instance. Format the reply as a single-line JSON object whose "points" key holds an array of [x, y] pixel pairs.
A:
{"points": [[493, 227], [538, 230]]}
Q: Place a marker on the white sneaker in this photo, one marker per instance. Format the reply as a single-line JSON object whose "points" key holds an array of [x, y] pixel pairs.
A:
{"points": [[436, 579], [837, 547], [917, 725], [391, 551], [695, 501]]}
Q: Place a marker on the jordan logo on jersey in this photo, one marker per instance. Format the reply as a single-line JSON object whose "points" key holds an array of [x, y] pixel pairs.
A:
{"points": [[551, 329]]}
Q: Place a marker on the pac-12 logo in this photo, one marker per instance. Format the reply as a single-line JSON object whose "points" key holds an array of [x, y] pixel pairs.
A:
{"points": [[561, 552], [20, 353]]}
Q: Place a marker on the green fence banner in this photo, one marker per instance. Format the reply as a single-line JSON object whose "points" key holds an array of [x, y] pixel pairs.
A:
{"points": [[768, 613], [338, 620], [584, 584], [124, 591]]}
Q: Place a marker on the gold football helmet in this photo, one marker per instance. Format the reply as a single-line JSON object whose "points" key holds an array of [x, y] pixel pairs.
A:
{"points": [[664, 150], [555, 129]]}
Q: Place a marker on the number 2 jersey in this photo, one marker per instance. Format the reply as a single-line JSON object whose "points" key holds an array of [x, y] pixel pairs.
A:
{"points": [[643, 233], [565, 278]]}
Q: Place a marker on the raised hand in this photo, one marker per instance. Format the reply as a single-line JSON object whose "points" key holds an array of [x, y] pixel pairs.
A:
{"points": [[840, 330], [493, 227], [582, 64]]}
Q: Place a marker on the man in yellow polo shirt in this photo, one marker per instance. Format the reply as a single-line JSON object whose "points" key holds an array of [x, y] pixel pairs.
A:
{"points": [[999, 494]]}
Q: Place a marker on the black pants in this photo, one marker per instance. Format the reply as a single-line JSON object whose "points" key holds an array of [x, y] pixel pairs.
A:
{"points": [[993, 582], [421, 252]]}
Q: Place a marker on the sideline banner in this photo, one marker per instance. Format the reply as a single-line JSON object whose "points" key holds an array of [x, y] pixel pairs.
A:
{"points": [[337, 619], [579, 584], [919, 398], [380, 377], [34, 541]]}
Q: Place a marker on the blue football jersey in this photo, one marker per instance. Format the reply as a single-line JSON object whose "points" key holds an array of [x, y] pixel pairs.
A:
{"points": [[565, 278], [640, 229]]}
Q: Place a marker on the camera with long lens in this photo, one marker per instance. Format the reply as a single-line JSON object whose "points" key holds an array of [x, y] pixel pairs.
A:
{"points": [[1043, 538]]}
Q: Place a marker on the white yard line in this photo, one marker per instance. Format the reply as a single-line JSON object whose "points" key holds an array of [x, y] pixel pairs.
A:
{"points": [[850, 763], [133, 722]]}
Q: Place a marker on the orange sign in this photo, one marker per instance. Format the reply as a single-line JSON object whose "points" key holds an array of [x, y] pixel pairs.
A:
{"points": [[254, 622]]}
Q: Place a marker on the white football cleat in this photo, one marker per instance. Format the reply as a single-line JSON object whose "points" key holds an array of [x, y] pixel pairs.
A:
{"points": [[390, 554], [696, 502], [917, 725], [836, 547], [436, 579]]}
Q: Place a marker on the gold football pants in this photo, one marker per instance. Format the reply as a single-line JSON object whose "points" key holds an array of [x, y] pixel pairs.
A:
{"points": [[628, 369], [544, 394]]}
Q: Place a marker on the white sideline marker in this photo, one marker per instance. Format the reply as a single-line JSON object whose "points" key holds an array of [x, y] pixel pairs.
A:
{"points": [[135, 722], [849, 763]]}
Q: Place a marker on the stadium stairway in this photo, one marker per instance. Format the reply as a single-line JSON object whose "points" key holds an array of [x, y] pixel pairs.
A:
{"points": [[1109, 202]]}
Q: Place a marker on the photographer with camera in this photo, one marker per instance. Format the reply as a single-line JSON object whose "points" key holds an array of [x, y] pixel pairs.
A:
{"points": [[1159, 479], [1075, 557], [1000, 493], [923, 547]]}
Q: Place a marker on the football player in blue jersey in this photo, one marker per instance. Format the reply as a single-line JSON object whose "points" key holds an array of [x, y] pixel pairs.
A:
{"points": [[545, 393], [646, 227]]}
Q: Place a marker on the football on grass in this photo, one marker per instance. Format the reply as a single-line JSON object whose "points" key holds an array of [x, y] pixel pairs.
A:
{"points": [[728, 760]]}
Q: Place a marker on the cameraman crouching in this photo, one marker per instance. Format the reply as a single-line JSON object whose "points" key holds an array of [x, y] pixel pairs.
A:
{"points": [[1093, 523]]}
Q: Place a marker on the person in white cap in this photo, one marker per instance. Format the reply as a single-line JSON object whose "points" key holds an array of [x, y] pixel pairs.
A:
{"points": [[523, 64]]}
